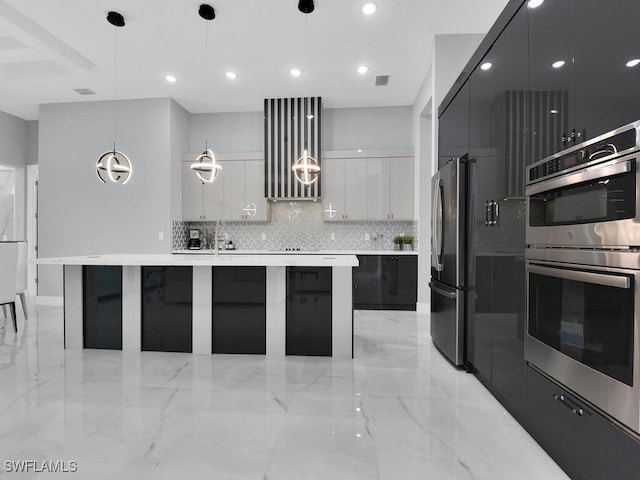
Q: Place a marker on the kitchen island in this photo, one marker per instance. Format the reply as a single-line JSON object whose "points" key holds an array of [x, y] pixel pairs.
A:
{"points": [[243, 303]]}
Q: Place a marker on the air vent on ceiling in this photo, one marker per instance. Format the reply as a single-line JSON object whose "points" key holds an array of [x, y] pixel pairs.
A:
{"points": [[382, 80], [84, 91]]}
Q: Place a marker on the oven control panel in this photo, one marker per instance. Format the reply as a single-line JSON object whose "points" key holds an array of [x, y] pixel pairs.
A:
{"points": [[586, 153]]}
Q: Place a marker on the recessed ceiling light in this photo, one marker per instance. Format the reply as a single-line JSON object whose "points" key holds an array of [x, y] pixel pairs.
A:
{"points": [[553, 111], [362, 69], [535, 3], [296, 72], [486, 66], [369, 8], [359, 151], [170, 78], [633, 63], [558, 64], [231, 75]]}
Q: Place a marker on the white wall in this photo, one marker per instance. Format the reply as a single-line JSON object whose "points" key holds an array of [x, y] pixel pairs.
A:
{"points": [[13, 153], [79, 215], [32, 143], [450, 54]]}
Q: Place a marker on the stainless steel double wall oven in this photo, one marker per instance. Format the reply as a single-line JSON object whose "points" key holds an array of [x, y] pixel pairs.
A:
{"points": [[583, 271]]}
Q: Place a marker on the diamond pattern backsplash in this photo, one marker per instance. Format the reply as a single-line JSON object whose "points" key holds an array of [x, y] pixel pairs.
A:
{"points": [[300, 225]]}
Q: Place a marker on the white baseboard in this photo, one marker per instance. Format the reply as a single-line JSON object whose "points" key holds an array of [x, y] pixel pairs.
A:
{"points": [[55, 301], [423, 307]]}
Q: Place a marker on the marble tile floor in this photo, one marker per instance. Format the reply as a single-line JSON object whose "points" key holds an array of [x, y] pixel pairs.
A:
{"points": [[397, 411]]}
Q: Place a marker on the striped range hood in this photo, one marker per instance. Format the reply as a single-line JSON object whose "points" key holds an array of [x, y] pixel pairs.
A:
{"points": [[290, 125]]}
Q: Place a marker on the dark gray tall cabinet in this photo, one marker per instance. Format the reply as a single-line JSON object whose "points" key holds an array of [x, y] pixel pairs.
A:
{"points": [[517, 111], [498, 135]]}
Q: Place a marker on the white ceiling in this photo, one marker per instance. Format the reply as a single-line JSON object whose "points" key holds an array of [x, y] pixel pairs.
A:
{"points": [[48, 48]]}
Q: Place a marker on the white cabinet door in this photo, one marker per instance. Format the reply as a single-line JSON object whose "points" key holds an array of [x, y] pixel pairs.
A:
{"points": [[332, 177], [192, 195], [378, 189], [355, 188], [233, 192], [401, 184], [213, 199], [254, 199]]}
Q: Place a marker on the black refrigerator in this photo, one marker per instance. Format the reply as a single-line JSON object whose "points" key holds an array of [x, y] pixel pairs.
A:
{"points": [[448, 259]]}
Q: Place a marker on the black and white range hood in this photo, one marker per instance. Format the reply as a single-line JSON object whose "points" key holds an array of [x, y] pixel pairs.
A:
{"points": [[290, 126]]}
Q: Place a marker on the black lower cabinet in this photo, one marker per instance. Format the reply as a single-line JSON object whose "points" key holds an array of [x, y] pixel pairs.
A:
{"points": [[385, 282], [309, 311], [167, 309], [587, 445], [239, 310], [102, 307]]}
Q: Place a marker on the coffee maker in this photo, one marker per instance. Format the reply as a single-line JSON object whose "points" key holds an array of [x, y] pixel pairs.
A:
{"points": [[194, 239]]}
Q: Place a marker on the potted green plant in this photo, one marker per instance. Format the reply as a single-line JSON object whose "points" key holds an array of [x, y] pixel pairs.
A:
{"points": [[397, 242], [407, 240]]}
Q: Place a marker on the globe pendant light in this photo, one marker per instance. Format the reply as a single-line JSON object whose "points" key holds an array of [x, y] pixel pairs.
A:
{"points": [[205, 166], [114, 164], [306, 168]]}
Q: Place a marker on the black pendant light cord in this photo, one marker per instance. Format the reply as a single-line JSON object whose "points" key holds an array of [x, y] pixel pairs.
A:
{"points": [[115, 54]]}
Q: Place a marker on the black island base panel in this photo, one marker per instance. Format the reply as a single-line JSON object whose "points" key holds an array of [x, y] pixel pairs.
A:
{"points": [[239, 310], [102, 307], [309, 319], [167, 309]]}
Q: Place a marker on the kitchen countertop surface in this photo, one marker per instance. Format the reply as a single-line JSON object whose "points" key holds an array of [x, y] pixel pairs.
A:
{"points": [[301, 252], [238, 258]]}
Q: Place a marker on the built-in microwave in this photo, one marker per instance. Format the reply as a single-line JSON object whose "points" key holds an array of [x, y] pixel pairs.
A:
{"points": [[587, 196], [583, 325]]}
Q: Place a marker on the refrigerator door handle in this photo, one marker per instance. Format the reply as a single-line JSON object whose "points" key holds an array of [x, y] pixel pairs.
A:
{"points": [[441, 291], [438, 237]]}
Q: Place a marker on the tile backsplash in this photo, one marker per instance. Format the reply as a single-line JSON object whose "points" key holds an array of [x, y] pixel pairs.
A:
{"points": [[301, 225]]}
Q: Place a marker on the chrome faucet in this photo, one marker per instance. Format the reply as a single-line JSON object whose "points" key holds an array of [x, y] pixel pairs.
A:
{"points": [[217, 235]]}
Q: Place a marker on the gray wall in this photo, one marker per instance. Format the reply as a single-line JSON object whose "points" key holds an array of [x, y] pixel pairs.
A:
{"points": [[366, 128], [13, 153], [342, 129], [228, 132], [32, 143], [78, 214]]}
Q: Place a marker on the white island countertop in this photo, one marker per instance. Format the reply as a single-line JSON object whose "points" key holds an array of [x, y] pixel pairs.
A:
{"points": [[223, 259]]}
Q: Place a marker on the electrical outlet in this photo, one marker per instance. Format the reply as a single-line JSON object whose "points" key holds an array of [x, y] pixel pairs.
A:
{"points": [[160, 236], [263, 236], [333, 236], [367, 237]]}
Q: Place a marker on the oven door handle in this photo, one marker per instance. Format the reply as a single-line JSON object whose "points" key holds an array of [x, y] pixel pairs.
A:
{"points": [[605, 170], [585, 277]]}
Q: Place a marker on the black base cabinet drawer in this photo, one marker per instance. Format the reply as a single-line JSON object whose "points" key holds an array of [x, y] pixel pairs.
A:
{"points": [[585, 444]]}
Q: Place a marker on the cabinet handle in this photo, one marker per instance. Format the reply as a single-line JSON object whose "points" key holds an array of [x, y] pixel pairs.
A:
{"points": [[565, 401], [486, 213]]}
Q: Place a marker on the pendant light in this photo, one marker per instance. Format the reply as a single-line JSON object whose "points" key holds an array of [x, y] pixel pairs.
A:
{"points": [[306, 168], [205, 166], [115, 164]]}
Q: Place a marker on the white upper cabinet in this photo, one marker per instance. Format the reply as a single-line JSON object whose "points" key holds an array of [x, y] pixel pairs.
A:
{"points": [[344, 188], [236, 195], [377, 188], [192, 195], [401, 188]]}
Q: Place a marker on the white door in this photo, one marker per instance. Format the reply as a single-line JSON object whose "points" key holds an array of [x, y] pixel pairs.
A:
{"points": [[233, 189], [378, 189]]}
